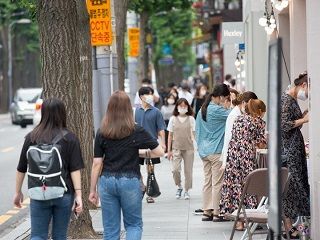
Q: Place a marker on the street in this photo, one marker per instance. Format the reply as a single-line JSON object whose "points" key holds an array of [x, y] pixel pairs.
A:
{"points": [[11, 141]]}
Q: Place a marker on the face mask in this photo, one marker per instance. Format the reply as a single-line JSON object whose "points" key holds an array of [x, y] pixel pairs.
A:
{"points": [[203, 92], [149, 99], [302, 95], [170, 101], [182, 110]]}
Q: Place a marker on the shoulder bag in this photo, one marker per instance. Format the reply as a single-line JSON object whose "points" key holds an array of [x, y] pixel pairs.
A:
{"points": [[152, 184]]}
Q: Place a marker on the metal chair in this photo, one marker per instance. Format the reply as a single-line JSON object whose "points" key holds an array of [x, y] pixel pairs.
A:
{"points": [[256, 183]]}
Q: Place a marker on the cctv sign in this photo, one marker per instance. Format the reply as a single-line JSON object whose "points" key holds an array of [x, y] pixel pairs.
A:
{"points": [[232, 32]]}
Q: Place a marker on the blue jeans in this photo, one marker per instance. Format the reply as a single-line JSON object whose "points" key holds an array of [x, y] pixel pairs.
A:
{"points": [[118, 194], [59, 210]]}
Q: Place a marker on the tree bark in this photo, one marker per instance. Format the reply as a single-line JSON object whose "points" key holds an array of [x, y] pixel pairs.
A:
{"points": [[143, 50], [120, 10], [66, 74], [4, 88]]}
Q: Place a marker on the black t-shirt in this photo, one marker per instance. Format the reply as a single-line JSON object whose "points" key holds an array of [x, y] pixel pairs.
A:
{"points": [[121, 156], [70, 154]]}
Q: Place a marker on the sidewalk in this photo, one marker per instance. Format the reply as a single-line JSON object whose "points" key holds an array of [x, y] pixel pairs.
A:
{"points": [[168, 218]]}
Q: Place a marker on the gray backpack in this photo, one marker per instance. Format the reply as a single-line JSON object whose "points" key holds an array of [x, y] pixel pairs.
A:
{"points": [[46, 175]]}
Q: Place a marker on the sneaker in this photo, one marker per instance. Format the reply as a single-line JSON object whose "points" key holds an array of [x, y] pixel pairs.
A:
{"points": [[198, 211], [178, 193], [186, 196]]}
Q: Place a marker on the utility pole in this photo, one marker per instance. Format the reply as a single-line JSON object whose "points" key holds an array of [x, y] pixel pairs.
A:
{"points": [[105, 74]]}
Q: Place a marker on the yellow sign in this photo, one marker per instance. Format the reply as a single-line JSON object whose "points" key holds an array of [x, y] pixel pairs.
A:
{"points": [[100, 22], [134, 41]]}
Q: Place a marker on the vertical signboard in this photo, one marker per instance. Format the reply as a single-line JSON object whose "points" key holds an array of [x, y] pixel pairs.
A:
{"points": [[100, 22], [134, 41]]}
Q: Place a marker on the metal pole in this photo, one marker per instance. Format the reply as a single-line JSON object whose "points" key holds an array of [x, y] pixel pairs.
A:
{"points": [[111, 73]]}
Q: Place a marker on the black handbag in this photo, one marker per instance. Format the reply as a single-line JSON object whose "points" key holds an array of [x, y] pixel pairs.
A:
{"points": [[152, 184]]}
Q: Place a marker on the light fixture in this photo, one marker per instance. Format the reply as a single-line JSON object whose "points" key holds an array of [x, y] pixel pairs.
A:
{"points": [[268, 21], [263, 21], [237, 62], [242, 61], [280, 4]]}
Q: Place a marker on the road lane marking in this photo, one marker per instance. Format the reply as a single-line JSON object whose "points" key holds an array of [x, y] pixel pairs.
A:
{"points": [[5, 150], [12, 212], [26, 201], [5, 217]]}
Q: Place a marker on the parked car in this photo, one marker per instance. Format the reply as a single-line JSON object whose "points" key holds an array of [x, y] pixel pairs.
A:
{"points": [[23, 106], [37, 110]]}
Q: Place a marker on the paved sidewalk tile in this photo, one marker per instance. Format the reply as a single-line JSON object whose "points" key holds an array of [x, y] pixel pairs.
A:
{"points": [[167, 218]]}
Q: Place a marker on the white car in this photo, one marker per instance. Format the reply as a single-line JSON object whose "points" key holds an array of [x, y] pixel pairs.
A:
{"points": [[23, 104], [37, 111]]}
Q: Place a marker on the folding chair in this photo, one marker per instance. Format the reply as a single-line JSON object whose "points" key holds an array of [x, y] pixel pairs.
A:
{"points": [[256, 183]]}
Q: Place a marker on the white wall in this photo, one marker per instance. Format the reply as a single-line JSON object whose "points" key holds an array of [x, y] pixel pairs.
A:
{"points": [[229, 57], [298, 46], [313, 58], [256, 41]]}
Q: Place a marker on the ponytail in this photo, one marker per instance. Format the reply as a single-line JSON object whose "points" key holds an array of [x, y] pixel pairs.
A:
{"points": [[204, 107]]}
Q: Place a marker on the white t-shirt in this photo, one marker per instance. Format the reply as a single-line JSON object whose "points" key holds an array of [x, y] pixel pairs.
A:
{"points": [[228, 133], [182, 119]]}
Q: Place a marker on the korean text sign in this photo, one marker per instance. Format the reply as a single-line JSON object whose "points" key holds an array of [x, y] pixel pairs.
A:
{"points": [[100, 22], [134, 39]]}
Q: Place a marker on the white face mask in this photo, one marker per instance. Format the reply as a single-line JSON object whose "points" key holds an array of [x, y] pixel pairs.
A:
{"points": [[182, 110], [302, 95], [170, 101], [149, 99]]}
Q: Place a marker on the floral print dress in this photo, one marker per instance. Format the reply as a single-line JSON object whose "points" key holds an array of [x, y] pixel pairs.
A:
{"points": [[247, 133], [296, 201]]}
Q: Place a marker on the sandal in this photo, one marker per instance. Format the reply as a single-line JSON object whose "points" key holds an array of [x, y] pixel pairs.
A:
{"points": [[291, 232], [150, 200], [207, 217], [219, 218], [239, 226]]}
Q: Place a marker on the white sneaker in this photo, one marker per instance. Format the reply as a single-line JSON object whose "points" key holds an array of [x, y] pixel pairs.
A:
{"points": [[186, 196], [179, 193]]}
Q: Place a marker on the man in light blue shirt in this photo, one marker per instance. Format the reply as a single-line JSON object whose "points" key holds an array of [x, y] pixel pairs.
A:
{"points": [[210, 128]]}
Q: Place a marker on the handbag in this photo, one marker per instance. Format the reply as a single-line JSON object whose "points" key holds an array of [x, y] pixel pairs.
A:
{"points": [[152, 184]]}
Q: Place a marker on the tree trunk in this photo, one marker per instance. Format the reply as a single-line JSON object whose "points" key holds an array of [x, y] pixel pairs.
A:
{"points": [[143, 50], [120, 10], [66, 74], [4, 88]]}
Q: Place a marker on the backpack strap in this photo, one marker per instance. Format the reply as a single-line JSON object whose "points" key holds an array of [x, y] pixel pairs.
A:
{"points": [[58, 137]]}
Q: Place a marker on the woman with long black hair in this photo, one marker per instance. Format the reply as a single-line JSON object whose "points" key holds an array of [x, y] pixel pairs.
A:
{"points": [[52, 124], [210, 128]]}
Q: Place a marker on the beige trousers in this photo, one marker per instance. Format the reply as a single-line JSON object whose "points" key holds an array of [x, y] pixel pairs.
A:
{"points": [[213, 179], [187, 156]]}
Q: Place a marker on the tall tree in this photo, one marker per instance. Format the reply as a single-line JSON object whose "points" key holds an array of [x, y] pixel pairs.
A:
{"points": [[172, 30], [146, 9], [120, 10], [24, 45], [67, 74]]}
